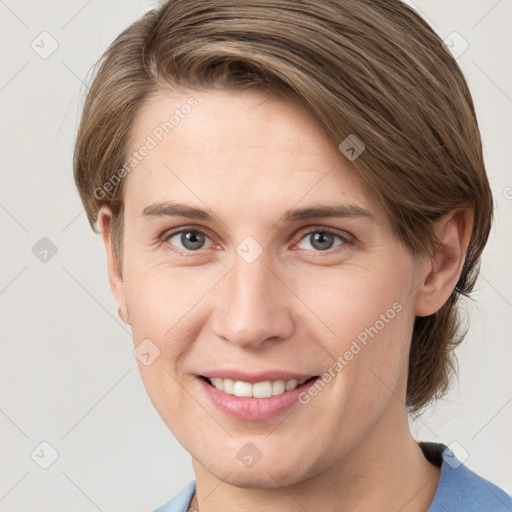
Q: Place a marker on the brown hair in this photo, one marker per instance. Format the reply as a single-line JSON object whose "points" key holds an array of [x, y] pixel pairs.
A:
{"points": [[373, 68]]}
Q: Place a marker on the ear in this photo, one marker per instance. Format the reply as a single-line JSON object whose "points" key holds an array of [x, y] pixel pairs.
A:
{"points": [[453, 232], [114, 273]]}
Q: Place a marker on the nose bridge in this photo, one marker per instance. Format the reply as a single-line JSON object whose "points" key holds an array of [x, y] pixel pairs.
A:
{"points": [[254, 305]]}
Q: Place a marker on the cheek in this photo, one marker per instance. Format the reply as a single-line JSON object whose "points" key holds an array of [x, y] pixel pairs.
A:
{"points": [[170, 307], [153, 307], [161, 299], [355, 302], [366, 324], [163, 307]]}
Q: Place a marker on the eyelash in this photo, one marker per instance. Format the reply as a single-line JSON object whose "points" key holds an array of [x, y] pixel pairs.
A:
{"points": [[318, 229]]}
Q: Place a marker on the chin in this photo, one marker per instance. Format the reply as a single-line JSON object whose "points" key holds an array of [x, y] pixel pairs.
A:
{"points": [[259, 480], [260, 476]]}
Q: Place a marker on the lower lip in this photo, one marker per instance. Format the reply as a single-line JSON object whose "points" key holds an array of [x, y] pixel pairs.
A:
{"points": [[253, 408]]}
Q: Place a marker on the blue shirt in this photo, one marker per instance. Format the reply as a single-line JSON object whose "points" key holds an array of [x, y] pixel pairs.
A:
{"points": [[459, 488]]}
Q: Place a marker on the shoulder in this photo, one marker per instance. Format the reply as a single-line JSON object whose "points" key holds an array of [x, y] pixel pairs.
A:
{"points": [[461, 489], [181, 501]]}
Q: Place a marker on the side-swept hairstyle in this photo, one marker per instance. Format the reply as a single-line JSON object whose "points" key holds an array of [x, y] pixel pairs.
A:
{"points": [[372, 68]]}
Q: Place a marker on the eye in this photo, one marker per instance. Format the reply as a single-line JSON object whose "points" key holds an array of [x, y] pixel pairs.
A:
{"points": [[323, 240], [186, 240], [190, 239]]}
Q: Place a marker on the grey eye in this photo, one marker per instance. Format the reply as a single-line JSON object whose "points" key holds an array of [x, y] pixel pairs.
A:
{"points": [[190, 239], [322, 240]]}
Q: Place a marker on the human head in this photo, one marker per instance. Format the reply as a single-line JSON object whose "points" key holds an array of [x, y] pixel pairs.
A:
{"points": [[370, 68]]}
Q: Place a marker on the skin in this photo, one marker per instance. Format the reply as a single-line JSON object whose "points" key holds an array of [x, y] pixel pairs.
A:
{"points": [[247, 159]]}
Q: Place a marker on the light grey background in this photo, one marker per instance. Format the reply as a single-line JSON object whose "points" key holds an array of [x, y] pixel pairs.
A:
{"points": [[68, 374]]}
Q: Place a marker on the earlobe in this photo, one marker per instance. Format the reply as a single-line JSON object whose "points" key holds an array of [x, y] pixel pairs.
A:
{"points": [[114, 273], [444, 268]]}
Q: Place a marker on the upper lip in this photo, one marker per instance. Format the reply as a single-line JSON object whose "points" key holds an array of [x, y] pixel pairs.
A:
{"points": [[253, 377]]}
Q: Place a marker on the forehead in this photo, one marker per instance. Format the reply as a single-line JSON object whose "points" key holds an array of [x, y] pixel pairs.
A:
{"points": [[242, 147]]}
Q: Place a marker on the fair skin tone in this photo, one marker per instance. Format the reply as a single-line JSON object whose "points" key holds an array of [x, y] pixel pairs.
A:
{"points": [[247, 159]]}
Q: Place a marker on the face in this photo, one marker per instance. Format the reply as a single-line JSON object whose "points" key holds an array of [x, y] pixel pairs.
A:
{"points": [[235, 269]]}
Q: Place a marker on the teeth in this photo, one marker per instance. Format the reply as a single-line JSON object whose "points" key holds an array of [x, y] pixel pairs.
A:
{"points": [[263, 389], [291, 384]]}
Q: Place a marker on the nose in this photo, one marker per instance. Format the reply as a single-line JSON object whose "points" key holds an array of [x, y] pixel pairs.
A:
{"points": [[254, 306]]}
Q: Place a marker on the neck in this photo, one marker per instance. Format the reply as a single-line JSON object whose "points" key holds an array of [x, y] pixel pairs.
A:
{"points": [[386, 472]]}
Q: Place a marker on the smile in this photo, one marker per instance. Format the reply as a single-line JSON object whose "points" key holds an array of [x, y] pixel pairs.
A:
{"points": [[263, 389]]}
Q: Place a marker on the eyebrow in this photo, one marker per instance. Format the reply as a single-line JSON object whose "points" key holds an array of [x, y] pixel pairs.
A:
{"points": [[174, 209]]}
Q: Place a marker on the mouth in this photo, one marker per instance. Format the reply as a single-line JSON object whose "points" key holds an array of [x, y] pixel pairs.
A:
{"points": [[263, 389], [262, 396]]}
